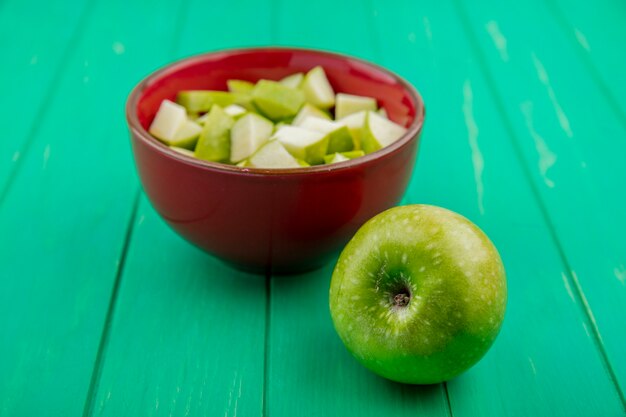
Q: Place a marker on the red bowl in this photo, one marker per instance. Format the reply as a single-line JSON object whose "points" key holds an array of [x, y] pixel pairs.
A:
{"points": [[279, 220]]}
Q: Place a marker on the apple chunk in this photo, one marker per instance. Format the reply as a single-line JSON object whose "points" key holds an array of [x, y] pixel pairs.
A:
{"points": [[339, 137], [346, 104], [293, 80], [303, 144], [379, 132], [277, 101], [248, 134], [309, 111], [317, 89], [272, 155], [197, 101], [168, 120], [214, 141]]}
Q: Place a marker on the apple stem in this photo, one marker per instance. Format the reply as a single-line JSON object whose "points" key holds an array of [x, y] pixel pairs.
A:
{"points": [[401, 300]]}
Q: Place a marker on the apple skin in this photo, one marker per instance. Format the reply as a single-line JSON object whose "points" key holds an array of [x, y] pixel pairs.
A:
{"points": [[418, 295]]}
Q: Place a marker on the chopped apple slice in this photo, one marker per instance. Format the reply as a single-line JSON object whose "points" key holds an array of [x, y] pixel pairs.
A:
{"points": [[293, 80], [202, 100], [248, 134], [273, 155], [277, 101], [183, 151], [334, 158], [303, 163], [346, 104], [240, 86], [243, 164], [339, 137], [379, 132], [235, 110], [168, 120], [303, 144], [355, 123], [214, 141], [309, 111], [317, 89], [186, 136], [353, 154], [383, 112]]}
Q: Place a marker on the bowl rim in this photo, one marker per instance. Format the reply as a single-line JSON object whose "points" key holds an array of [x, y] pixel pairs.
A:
{"points": [[412, 132]]}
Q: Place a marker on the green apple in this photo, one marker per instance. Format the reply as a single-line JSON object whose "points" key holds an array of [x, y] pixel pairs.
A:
{"points": [[317, 89], [346, 104], [303, 144], [214, 141], [379, 132], [240, 86], [248, 134], [339, 137], [273, 155], [202, 100], [309, 111], [293, 80], [277, 101], [418, 295], [168, 120]]}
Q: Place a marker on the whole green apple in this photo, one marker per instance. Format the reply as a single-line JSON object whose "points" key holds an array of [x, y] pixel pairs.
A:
{"points": [[418, 295]]}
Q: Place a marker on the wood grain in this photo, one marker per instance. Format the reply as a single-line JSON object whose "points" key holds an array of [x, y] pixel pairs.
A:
{"points": [[573, 145], [64, 221]]}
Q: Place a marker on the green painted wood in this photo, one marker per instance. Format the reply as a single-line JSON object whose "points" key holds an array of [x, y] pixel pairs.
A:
{"points": [[306, 360], [63, 223], [188, 332], [545, 361], [573, 145], [32, 59], [600, 36]]}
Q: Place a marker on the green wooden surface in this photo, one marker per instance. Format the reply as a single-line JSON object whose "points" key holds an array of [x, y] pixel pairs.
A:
{"points": [[106, 311]]}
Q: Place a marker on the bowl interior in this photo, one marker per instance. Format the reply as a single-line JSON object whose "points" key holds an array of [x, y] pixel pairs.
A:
{"points": [[211, 71]]}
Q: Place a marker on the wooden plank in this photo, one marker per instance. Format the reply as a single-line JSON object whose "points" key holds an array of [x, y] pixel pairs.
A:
{"points": [[599, 35], [310, 372], [574, 146], [34, 50], [63, 223], [188, 332], [545, 360]]}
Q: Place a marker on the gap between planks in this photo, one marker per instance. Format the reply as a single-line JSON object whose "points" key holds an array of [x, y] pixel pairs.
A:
{"points": [[498, 100], [106, 329], [96, 374]]}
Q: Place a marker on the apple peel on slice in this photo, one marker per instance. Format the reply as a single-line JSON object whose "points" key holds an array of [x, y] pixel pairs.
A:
{"points": [[303, 144], [339, 137], [317, 89], [272, 155], [379, 132]]}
